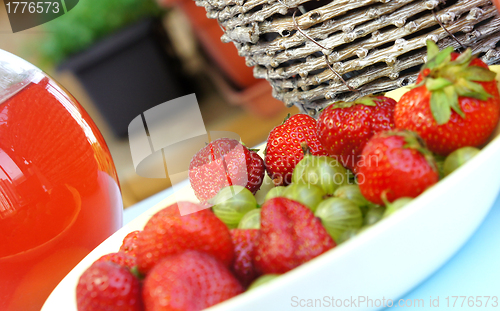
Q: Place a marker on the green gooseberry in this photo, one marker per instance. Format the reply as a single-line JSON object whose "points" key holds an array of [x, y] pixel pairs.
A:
{"points": [[309, 195], [339, 215], [440, 164], [267, 185], [458, 158], [275, 192], [251, 220], [352, 192], [263, 279], [373, 215], [298, 170], [348, 234], [232, 203], [396, 205], [322, 171], [440, 168]]}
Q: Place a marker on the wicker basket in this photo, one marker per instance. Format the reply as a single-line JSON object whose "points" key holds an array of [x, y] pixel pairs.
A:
{"points": [[374, 46]]}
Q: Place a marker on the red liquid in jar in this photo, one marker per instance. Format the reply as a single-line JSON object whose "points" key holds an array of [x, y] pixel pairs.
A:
{"points": [[59, 194]]}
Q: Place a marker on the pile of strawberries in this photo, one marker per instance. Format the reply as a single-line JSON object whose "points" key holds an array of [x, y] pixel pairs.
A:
{"points": [[194, 261], [395, 150], [392, 147]]}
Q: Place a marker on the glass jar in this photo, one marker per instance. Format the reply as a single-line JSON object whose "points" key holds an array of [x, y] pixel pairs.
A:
{"points": [[59, 192]]}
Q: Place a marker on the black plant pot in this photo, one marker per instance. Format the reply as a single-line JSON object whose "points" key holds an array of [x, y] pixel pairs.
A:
{"points": [[129, 72]]}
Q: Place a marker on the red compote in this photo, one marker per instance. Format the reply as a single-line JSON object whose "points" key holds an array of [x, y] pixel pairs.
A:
{"points": [[59, 193]]}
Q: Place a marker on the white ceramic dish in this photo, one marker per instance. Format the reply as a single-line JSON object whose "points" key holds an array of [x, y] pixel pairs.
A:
{"points": [[384, 261]]}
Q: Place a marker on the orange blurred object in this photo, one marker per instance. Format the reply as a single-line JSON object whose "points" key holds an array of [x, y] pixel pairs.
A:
{"points": [[243, 89], [497, 4], [257, 98], [225, 55]]}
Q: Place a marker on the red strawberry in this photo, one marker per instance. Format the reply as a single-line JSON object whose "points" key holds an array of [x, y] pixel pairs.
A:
{"points": [[168, 233], [256, 171], [395, 163], [224, 162], [244, 241], [120, 258], [187, 282], [456, 102], [129, 244], [290, 235], [283, 150], [106, 286], [344, 128]]}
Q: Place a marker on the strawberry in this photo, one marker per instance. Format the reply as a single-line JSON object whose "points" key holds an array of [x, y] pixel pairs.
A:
{"points": [[256, 171], [129, 244], [225, 162], [244, 241], [119, 258], [283, 150], [106, 286], [455, 103], [187, 282], [168, 233], [344, 128], [397, 164], [290, 235]]}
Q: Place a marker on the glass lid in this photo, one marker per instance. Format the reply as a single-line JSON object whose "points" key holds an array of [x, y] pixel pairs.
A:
{"points": [[15, 74]]}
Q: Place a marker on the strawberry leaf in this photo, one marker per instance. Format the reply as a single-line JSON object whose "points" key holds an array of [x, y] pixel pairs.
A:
{"points": [[286, 118], [414, 86], [342, 104], [468, 88], [436, 84], [413, 141], [440, 107], [443, 57], [367, 101], [452, 98], [463, 59], [476, 73], [448, 80], [135, 271], [432, 49]]}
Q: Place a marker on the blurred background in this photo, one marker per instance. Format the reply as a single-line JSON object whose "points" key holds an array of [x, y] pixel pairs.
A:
{"points": [[122, 57]]}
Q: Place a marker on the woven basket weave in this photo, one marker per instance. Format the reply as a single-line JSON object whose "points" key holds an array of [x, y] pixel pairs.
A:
{"points": [[374, 45]]}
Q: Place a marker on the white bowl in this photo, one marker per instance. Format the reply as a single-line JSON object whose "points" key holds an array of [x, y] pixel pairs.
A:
{"points": [[383, 262]]}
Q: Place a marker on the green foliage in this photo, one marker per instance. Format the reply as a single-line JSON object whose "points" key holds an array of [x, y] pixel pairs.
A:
{"points": [[87, 23]]}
